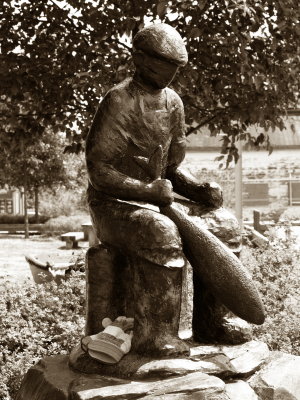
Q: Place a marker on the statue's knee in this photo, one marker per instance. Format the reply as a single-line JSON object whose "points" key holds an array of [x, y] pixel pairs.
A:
{"points": [[159, 241], [163, 231], [143, 232]]}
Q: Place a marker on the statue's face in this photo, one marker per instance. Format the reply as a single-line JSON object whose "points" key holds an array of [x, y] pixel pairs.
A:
{"points": [[153, 71]]}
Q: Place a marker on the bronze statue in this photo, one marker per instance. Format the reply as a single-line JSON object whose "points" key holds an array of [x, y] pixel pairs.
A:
{"points": [[140, 272]]}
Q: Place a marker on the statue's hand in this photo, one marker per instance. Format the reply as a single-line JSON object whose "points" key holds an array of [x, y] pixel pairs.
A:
{"points": [[161, 192], [216, 194]]}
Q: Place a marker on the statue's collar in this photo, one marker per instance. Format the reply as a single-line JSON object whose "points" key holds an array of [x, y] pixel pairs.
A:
{"points": [[137, 81]]}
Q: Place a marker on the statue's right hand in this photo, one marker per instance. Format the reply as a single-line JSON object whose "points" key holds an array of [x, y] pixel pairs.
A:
{"points": [[161, 192]]}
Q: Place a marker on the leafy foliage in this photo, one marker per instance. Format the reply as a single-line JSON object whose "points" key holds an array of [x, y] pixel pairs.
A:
{"points": [[32, 163], [63, 202], [60, 57], [37, 321], [63, 224], [243, 66], [276, 273]]}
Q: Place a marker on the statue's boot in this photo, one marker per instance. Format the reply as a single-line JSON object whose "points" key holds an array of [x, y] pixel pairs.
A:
{"points": [[209, 322], [157, 300], [208, 314]]}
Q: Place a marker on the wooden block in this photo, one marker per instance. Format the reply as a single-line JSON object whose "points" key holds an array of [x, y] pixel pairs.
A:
{"points": [[258, 239]]}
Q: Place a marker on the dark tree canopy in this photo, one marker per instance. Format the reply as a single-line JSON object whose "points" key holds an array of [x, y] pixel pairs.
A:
{"points": [[59, 57]]}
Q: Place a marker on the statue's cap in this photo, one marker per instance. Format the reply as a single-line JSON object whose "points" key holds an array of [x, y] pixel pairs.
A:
{"points": [[161, 40]]}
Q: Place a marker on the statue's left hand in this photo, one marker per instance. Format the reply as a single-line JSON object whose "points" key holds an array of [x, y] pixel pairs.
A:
{"points": [[208, 194], [216, 194]]}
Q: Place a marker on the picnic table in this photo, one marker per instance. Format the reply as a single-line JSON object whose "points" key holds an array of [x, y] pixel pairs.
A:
{"points": [[88, 234], [72, 239]]}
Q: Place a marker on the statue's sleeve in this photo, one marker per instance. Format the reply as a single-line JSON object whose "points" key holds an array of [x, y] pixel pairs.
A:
{"points": [[178, 143], [184, 183], [106, 144], [98, 144]]}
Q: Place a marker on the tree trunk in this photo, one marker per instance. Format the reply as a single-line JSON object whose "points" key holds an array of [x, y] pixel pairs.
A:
{"points": [[26, 222], [36, 204]]}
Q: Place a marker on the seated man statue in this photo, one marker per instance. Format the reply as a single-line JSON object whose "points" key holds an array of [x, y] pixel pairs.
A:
{"points": [[133, 119]]}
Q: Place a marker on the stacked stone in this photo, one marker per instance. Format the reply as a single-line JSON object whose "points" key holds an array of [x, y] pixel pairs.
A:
{"points": [[241, 372]]}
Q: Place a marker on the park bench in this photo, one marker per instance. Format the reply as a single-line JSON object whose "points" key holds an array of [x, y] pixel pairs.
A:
{"points": [[72, 239]]}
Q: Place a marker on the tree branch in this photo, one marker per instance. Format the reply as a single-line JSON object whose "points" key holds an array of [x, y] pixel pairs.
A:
{"points": [[124, 45], [204, 122]]}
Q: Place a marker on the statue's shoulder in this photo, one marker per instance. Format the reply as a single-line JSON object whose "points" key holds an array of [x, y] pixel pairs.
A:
{"points": [[174, 98], [120, 92]]}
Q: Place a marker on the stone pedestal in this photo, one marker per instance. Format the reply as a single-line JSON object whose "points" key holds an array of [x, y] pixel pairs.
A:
{"points": [[51, 379], [208, 373]]}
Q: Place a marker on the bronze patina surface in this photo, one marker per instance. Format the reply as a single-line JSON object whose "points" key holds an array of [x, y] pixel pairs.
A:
{"points": [[142, 257]]}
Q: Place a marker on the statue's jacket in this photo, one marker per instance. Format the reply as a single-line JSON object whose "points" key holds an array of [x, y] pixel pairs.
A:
{"points": [[131, 122]]}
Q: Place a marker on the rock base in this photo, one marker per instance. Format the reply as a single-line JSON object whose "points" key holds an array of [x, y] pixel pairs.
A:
{"points": [[210, 373], [218, 360]]}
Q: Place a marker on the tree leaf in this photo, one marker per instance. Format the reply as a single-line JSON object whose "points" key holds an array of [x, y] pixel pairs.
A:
{"points": [[161, 8]]}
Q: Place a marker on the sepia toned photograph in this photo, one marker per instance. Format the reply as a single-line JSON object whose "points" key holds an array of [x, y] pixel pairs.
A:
{"points": [[149, 200]]}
